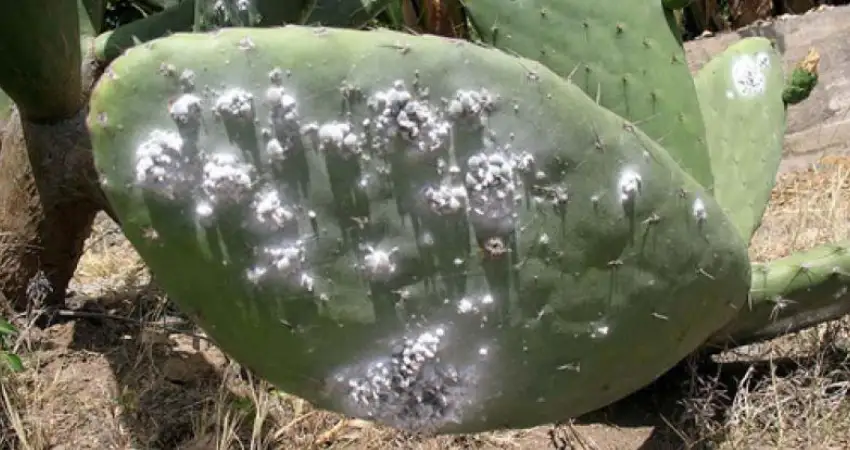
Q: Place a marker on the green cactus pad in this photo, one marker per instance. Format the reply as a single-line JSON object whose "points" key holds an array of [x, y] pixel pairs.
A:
{"points": [[740, 92], [792, 293], [410, 229], [626, 54]]}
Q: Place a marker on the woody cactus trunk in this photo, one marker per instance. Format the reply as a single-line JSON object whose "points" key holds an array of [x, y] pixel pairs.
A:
{"points": [[454, 236]]}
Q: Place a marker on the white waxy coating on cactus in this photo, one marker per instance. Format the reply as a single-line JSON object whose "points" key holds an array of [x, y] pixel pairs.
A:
{"points": [[159, 163], [186, 109], [699, 211], [226, 179], [599, 329], [275, 150], [491, 188], [379, 263], [281, 102], [399, 114], [187, 80], [469, 104], [446, 199], [629, 185], [270, 212], [763, 60], [748, 75], [474, 304], [204, 211], [413, 383], [286, 260], [338, 137], [524, 163], [235, 103]]}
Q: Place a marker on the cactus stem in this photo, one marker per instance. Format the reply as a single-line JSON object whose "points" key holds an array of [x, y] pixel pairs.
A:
{"points": [[40, 44]]}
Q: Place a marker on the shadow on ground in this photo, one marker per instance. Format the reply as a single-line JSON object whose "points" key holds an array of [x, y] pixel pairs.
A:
{"points": [[679, 404], [167, 386]]}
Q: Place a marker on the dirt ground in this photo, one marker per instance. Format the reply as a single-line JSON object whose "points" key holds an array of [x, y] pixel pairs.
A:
{"points": [[123, 370]]}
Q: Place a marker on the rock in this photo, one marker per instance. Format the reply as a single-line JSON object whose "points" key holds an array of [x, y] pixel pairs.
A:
{"points": [[820, 124]]}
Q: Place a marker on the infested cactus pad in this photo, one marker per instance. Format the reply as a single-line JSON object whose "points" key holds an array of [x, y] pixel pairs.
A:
{"points": [[627, 55], [414, 230], [740, 93]]}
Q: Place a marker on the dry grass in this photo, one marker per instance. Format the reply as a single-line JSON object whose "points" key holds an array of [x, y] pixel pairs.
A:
{"points": [[122, 372]]}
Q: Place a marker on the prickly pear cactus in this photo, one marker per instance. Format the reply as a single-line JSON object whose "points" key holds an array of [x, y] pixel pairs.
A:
{"points": [[410, 229], [792, 293], [740, 92], [625, 54]]}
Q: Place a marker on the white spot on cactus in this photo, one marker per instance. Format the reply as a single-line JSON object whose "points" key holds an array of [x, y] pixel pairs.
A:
{"points": [[748, 76], [186, 109], [227, 180], [187, 80], [411, 388], [276, 76], [465, 306], [285, 258], [699, 211], [246, 43], [338, 138], [470, 106], [285, 261], [235, 104], [159, 163], [279, 99], [399, 114], [378, 263], [524, 163], [599, 330], [204, 211], [275, 150], [446, 199], [491, 189], [269, 211], [629, 185], [474, 304], [306, 282], [763, 60]]}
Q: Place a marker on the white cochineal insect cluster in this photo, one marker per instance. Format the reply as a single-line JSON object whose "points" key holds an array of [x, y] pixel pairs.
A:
{"points": [[160, 164], [412, 388], [748, 74], [399, 114], [493, 194]]}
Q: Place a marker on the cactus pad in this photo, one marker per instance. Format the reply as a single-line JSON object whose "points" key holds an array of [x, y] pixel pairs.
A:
{"points": [[740, 92], [792, 293], [626, 54], [411, 229]]}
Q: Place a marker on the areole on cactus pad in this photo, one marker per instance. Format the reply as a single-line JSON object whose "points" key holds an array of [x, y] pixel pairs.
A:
{"points": [[411, 229]]}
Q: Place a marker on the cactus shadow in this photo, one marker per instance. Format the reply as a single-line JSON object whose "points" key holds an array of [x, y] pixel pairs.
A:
{"points": [[685, 405], [164, 384]]}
